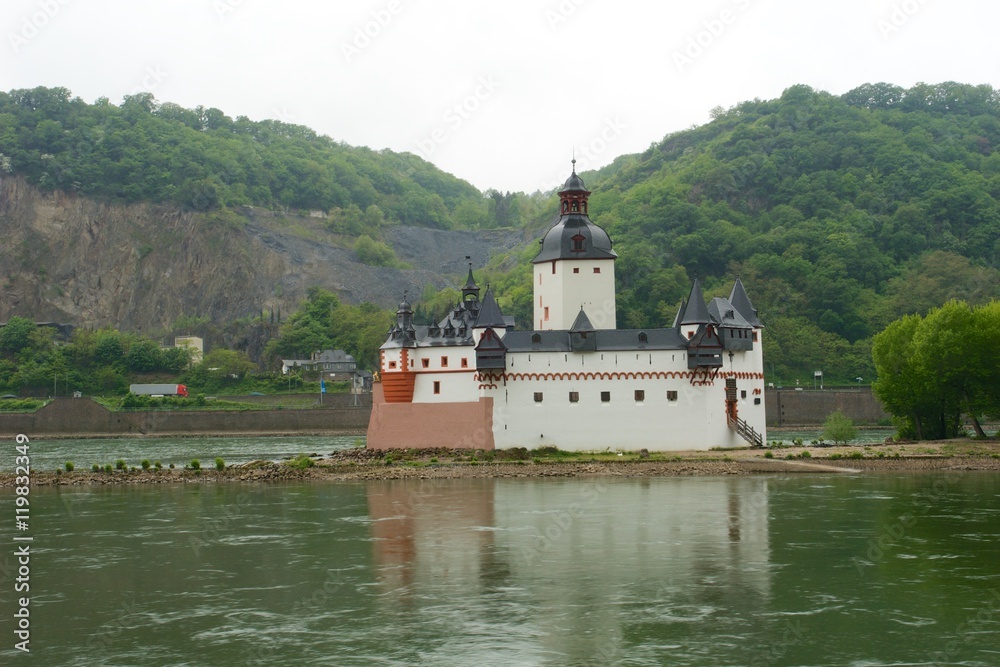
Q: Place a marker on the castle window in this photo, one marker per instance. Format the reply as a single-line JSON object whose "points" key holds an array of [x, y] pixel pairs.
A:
{"points": [[576, 269], [640, 395], [605, 397], [671, 395], [546, 313], [643, 338], [426, 363], [756, 401], [538, 397], [565, 207], [578, 242], [536, 338], [574, 397], [597, 269], [755, 336], [392, 364], [437, 387], [576, 207], [465, 362], [743, 393], [444, 362]]}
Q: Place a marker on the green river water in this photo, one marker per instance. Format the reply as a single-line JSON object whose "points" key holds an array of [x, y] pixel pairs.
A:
{"points": [[768, 570]]}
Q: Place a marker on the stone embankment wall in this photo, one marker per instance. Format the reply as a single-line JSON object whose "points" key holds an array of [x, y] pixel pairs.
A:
{"points": [[84, 417], [791, 407]]}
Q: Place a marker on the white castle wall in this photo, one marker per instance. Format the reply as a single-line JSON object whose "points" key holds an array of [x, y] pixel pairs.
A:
{"points": [[695, 420]]}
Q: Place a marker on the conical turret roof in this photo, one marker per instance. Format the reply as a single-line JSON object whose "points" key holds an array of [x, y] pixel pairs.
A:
{"points": [[696, 312]]}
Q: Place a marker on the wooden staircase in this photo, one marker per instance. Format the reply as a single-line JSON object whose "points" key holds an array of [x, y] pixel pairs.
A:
{"points": [[746, 431]]}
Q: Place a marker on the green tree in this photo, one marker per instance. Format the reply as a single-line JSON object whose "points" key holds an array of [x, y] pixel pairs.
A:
{"points": [[839, 427], [16, 334]]}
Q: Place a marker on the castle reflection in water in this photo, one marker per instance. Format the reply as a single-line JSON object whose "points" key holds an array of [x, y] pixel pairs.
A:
{"points": [[571, 556]]}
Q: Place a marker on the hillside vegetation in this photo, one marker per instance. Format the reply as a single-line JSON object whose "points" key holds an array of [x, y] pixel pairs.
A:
{"points": [[841, 214], [202, 159]]}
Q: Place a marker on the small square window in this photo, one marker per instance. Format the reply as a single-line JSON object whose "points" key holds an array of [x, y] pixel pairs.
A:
{"points": [[756, 401], [605, 397], [444, 362], [437, 387], [465, 362], [574, 397], [392, 364], [538, 397], [755, 336], [576, 269], [671, 395], [425, 363], [640, 395], [743, 393], [597, 269]]}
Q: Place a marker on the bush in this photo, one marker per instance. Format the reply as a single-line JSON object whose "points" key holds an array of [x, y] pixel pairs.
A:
{"points": [[108, 468], [195, 464], [95, 468], [145, 464], [302, 461], [219, 463], [768, 455], [158, 465], [805, 455], [839, 428], [856, 455], [69, 466], [120, 464]]}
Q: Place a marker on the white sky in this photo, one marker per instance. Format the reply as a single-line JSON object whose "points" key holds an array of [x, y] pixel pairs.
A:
{"points": [[497, 93]]}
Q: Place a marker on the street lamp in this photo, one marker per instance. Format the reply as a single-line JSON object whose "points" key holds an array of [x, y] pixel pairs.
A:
{"points": [[859, 379]]}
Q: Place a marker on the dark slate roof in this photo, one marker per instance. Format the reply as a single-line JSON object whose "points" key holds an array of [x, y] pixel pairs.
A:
{"points": [[738, 297], [558, 241], [608, 340], [695, 311], [470, 283], [725, 314], [582, 323], [574, 184], [490, 314]]}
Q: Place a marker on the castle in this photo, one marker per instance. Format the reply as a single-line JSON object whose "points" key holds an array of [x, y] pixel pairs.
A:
{"points": [[576, 381]]}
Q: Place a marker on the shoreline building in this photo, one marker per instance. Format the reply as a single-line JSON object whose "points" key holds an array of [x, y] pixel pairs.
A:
{"points": [[575, 381]]}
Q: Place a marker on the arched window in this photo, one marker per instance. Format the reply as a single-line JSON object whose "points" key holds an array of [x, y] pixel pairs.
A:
{"points": [[579, 241], [536, 338], [643, 338]]}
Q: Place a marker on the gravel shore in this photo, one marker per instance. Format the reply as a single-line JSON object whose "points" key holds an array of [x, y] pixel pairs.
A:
{"points": [[364, 464]]}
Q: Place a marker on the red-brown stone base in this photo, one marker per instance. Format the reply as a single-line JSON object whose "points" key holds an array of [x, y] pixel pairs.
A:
{"points": [[419, 425]]}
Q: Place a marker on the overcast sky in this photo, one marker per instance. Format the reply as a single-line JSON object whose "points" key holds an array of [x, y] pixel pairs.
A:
{"points": [[500, 93]]}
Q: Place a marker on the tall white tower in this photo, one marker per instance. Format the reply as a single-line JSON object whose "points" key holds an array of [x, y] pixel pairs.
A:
{"points": [[575, 267]]}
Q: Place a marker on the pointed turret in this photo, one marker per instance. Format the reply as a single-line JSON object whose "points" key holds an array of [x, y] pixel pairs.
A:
{"points": [[582, 335], [471, 289], [490, 314], [741, 302], [695, 311]]}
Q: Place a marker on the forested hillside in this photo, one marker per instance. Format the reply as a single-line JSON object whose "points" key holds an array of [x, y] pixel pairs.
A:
{"points": [[840, 214], [202, 159]]}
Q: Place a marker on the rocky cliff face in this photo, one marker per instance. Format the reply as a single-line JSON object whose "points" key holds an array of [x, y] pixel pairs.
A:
{"points": [[139, 267]]}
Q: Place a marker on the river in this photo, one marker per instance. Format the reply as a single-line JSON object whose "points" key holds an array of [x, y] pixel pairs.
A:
{"points": [[767, 570]]}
